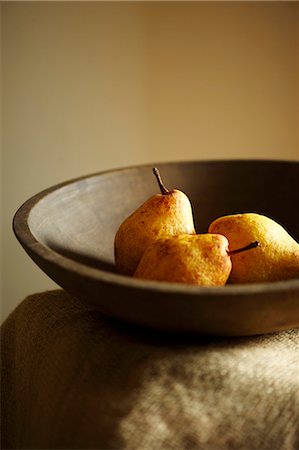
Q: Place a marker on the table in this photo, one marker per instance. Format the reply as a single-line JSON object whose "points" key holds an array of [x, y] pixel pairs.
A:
{"points": [[72, 378]]}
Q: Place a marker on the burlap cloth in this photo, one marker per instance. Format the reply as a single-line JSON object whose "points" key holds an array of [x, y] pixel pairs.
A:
{"points": [[74, 379]]}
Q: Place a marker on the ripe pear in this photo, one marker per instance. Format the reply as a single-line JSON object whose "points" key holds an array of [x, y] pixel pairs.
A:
{"points": [[202, 259], [166, 214], [277, 257]]}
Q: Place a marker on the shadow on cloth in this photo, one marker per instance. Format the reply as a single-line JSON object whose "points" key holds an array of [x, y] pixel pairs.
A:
{"points": [[72, 378]]}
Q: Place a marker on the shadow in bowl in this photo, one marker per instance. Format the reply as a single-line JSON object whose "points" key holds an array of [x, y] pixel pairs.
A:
{"points": [[83, 258]]}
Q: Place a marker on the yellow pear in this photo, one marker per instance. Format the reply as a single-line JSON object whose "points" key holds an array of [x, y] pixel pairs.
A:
{"points": [[276, 258], [165, 214], [202, 259]]}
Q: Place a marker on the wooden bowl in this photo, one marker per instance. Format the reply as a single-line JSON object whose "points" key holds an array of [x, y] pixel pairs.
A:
{"points": [[69, 229]]}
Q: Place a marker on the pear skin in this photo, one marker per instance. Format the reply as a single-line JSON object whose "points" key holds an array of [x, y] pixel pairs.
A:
{"points": [[276, 258], [200, 259], [166, 214]]}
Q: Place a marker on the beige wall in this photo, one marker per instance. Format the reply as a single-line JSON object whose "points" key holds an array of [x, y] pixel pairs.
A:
{"points": [[91, 86]]}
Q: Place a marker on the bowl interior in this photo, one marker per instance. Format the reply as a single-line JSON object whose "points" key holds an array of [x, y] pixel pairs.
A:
{"points": [[79, 219]]}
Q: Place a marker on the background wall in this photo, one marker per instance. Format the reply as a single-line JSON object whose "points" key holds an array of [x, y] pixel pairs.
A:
{"points": [[92, 86]]}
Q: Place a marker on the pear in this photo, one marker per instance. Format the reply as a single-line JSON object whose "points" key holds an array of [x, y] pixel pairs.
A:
{"points": [[168, 213], [202, 259], [277, 257]]}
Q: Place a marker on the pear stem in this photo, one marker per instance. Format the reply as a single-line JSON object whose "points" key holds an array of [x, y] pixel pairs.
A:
{"points": [[243, 249], [163, 189]]}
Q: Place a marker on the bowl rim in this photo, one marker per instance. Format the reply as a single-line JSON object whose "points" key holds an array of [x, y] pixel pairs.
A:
{"points": [[31, 244]]}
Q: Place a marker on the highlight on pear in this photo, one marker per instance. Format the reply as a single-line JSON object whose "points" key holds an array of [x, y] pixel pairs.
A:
{"points": [[276, 258], [200, 259], [158, 241], [168, 213]]}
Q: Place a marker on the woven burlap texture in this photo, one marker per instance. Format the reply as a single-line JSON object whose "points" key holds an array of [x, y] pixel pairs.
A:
{"points": [[72, 378]]}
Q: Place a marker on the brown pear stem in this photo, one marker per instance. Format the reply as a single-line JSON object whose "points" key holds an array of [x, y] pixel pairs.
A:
{"points": [[163, 189], [243, 249]]}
